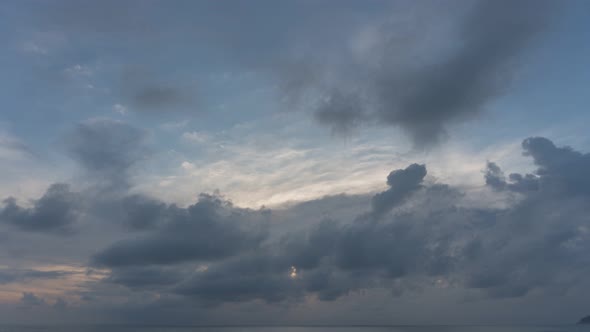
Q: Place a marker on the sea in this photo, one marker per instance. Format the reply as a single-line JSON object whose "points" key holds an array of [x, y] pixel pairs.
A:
{"points": [[429, 328]]}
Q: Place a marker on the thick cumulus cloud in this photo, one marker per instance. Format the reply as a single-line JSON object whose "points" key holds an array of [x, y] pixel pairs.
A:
{"points": [[547, 229], [402, 182], [560, 169], [207, 230], [495, 178], [330, 260], [536, 245], [106, 151], [414, 235], [54, 212], [215, 253]]}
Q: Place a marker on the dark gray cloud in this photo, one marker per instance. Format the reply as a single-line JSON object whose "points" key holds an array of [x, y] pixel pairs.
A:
{"points": [[54, 212], [243, 279], [131, 212], [560, 169], [399, 82], [333, 259], [545, 229], [535, 245], [402, 183], [490, 39], [517, 182], [107, 150], [144, 91], [494, 176], [374, 63], [207, 230], [341, 112], [146, 276], [211, 254], [144, 212]]}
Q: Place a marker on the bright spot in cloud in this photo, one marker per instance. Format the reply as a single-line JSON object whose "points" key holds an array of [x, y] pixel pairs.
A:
{"points": [[187, 166], [293, 272]]}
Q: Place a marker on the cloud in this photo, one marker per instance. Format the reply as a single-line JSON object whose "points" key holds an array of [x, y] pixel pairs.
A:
{"points": [[545, 229], [402, 183], [146, 92], [14, 275], [107, 150], [402, 77], [332, 260], [54, 212], [537, 244], [141, 212], [201, 232], [560, 169], [340, 112], [330, 255], [31, 300], [12, 148], [118, 108], [491, 38], [146, 276], [364, 65], [518, 183], [406, 239]]}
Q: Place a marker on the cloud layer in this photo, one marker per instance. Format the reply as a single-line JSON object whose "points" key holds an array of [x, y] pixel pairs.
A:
{"points": [[128, 224], [415, 234]]}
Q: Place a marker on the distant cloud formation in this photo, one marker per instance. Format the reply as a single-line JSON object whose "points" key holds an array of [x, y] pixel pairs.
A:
{"points": [[54, 212], [107, 150], [294, 162], [243, 259], [198, 233], [392, 71], [402, 182], [409, 90], [470, 248], [415, 233]]}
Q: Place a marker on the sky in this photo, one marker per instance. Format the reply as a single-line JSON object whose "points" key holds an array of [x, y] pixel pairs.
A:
{"points": [[294, 162]]}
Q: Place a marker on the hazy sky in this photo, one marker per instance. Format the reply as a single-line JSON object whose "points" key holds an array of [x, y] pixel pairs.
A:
{"points": [[294, 162]]}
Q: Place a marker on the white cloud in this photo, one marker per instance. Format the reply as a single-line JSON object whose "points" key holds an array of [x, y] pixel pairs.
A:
{"points": [[187, 166], [196, 137], [78, 70], [254, 166], [118, 108]]}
